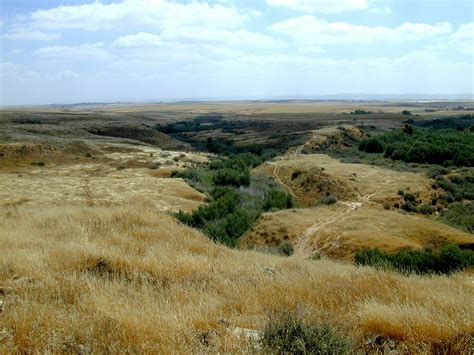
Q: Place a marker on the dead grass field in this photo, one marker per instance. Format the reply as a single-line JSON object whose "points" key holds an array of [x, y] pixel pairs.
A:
{"points": [[116, 174], [339, 231], [262, 107], [121, 279], [359, 220], [322, 175]]}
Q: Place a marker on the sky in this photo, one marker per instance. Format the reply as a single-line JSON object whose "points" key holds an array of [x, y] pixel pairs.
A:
{"points": [[70, 51]]}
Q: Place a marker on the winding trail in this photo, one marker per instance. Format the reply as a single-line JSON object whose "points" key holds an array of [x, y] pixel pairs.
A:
{"points": [[276, 170], [303, 244], [291, 155]]}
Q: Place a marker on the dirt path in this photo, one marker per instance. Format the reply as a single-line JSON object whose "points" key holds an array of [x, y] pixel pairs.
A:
{"points": [[276, 170], [303, 244], [292, 155]]}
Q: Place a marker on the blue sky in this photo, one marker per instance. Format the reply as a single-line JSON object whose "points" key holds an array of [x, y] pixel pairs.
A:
{"points": [[66, 51]]}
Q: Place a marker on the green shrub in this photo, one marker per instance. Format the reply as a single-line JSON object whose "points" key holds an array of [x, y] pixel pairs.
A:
{"points": [[371, 145], [286, 248], [232, 177], [424, 145], [460, 215], [329, 200], [277, 199], [425, 209], [360, 112], [230, 209], [289, 333], [407, 196], [449, 259]]}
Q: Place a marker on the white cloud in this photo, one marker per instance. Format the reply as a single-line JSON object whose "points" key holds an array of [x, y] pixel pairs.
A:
{"points": [[84, 52], [463, 38], [141, 39], [321, 6], [18, 34], [228, 38], [155, 14], [309, 29]]}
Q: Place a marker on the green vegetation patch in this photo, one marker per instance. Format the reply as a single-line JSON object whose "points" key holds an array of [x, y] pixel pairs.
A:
{"points": [[449, 259], [447, 147], [236, 200], [291, 334], [460, 215]]}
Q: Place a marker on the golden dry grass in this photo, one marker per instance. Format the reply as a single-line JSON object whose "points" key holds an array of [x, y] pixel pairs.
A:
{"points": [[339, 232], [73, 177], [321, 174], [122, 279]]}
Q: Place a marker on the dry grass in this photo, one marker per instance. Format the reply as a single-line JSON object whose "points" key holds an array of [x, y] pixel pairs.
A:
{"points": [[339, 232], [115, 174], [321, 174], [115, 279]]}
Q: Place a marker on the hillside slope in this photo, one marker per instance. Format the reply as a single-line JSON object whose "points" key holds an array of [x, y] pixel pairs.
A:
{"points": [[118, 279], [339, 231]]}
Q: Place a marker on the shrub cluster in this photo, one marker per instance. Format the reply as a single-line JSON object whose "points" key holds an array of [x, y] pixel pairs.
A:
{"points": [[449, 259], [291, 334], [231, 209], [360, 112], [235, 170], [424, 145], [460, 215]]}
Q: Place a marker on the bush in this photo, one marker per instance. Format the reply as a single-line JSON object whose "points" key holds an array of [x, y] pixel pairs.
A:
{"points": [[286, 248], [277, 199], [449, 259], [295, 174], [231, 211], [371, 145], [329, 200], [424, 145], [425, 209], [460, 215], [407, 196], [289, 333], [228, 176], [155, 165]]}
